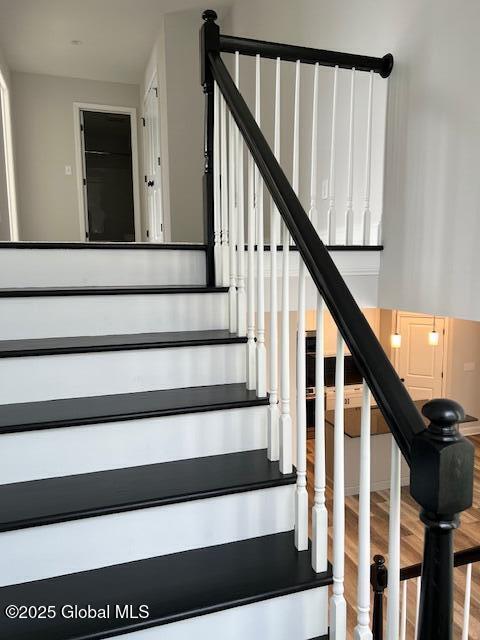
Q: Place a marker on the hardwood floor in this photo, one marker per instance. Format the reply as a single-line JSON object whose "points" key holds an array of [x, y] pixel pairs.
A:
{"points": [[411, 533]]}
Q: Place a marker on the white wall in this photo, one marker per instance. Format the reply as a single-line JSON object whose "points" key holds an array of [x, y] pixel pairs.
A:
{"points": [[185, 124], [43, 124], [175, 57], [284, 22], [5, 232], [4, 219], [431, 191]]}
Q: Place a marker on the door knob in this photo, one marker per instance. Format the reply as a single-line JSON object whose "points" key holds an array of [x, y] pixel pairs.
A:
{"points": [[150, 183]]}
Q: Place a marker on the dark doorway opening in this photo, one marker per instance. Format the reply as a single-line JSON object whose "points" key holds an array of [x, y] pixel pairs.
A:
{"points": [[108, 176]]}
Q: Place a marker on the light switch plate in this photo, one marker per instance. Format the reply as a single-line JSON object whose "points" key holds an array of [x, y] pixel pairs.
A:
{"points": [[68, 170]]}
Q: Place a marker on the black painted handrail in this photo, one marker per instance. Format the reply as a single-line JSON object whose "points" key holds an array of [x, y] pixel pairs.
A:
{"points": [[460, 559], [391, 395], [307, 55]]}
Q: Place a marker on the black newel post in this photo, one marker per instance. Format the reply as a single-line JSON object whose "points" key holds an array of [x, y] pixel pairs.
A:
{"points": [[379, 581], [209, 41], [441, 482]]}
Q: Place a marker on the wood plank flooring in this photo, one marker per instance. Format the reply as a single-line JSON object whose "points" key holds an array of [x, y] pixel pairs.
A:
{"points": [[468, 535]]}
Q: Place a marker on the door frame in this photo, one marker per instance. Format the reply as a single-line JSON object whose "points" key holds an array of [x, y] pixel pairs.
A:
{"points": [[154, 84], [8, 154], [78, 107], [410, 314]]}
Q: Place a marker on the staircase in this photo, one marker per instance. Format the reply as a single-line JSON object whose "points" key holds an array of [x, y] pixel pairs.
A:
{"points": [[133, 468], [147, 486]]}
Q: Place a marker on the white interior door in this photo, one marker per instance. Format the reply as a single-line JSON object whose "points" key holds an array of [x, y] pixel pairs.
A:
{"points": [[153, 170], [419, 363]]}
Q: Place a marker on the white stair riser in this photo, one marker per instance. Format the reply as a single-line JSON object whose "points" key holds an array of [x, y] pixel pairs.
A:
{"points": [[46, 551], [35, 378], [297, 616], [55, 316], [100, 267], [51, 453]]}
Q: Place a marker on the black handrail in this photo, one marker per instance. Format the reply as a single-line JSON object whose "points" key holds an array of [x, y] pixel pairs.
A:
{"points": [[307, 55], [460, 559], [391, 395], [440, 458], [379, 581]]}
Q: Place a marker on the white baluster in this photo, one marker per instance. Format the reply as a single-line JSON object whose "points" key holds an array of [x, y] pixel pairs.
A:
{"points": [[312, 213], [232, 225], [466, 602], [296, 129], [349, 212], [285, 418], [403, 621], [224, 193], [261, 350], [379, 233], [251, 346], [367, 216], [319, 511], [393, 606], [273, 435], [241, 294], [417, 605], [338, 607], [217, 224], [301, 495], [362, 630], [331, 214]]}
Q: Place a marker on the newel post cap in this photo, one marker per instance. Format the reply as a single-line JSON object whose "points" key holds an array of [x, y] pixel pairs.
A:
{"points": [[443, 413], [209, 15], [378, 574], [442, 462]]}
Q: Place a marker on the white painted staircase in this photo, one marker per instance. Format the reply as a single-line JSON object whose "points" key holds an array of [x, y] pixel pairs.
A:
{"points": [[133, 463]]}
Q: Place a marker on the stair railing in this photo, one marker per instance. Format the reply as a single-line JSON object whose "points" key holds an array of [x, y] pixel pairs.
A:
{"points": [[440, 459], [410, 599]]}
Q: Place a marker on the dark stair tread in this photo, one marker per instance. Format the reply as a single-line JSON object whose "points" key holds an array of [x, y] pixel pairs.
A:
{"points": [[68, 412], [174, 587], [111, 290], [102, 245], [118, 342], [40, 502]]}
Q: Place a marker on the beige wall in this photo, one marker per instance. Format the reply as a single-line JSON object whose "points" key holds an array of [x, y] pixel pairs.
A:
{"points": [[43, 124], [463, 352]]}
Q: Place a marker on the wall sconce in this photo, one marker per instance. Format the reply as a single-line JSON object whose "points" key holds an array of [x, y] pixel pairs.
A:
{"points": [[396, 338], [433, 335]]}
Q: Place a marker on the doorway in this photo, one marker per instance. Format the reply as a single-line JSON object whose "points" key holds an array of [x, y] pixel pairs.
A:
{"points": [[419, 364], [107, 174]]}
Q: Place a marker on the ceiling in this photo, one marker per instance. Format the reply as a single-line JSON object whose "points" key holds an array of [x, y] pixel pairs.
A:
{"points": [[116, 35]]}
